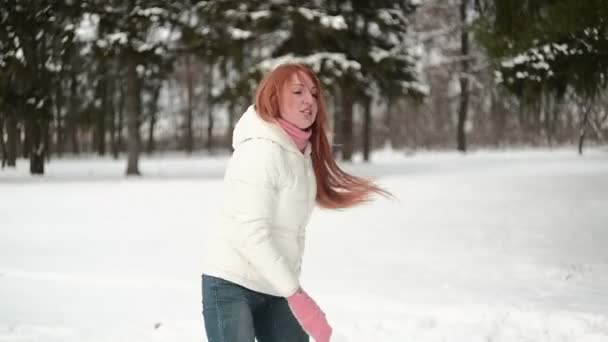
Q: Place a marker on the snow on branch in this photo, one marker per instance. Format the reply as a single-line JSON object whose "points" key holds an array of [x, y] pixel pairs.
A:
{"points": [[257, 15], [335, 22], [336, 61], [238, 34]]}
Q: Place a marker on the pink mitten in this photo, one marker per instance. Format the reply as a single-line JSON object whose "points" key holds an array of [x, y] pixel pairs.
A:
{"points": [[310, 316]]}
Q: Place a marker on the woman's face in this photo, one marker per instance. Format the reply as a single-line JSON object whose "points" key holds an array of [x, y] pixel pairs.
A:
{"points": [[298, 101]]}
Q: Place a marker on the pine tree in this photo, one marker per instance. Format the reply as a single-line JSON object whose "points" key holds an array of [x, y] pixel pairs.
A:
{"points": [[353, 46], [548, 46], [33, 43]]}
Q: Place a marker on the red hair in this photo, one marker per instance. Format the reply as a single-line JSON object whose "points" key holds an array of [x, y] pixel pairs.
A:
{"points": [[335, 188]]}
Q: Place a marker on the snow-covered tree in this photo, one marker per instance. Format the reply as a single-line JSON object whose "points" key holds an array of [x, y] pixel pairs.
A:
{"points": [[34, 40], [131, 31], [354, 47], [548, 46]]}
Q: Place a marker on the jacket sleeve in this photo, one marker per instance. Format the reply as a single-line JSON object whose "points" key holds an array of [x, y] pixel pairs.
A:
{"points": [[251, 184]]}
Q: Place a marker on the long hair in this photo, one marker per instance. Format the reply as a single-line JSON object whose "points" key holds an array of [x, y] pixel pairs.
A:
{"points": [[335, 188]]}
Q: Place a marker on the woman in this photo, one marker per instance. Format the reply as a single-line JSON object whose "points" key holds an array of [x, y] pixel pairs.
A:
{"points": [[281, 167]]}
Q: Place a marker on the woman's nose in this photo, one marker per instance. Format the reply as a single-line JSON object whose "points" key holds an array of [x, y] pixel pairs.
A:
{"points": [[308, 98]]}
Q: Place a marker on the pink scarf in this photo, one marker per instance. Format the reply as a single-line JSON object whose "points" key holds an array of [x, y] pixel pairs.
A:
{"points": [[299, 136]]}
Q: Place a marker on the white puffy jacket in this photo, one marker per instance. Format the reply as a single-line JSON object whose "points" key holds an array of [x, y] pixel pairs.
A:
{"points": [[269, 194]]}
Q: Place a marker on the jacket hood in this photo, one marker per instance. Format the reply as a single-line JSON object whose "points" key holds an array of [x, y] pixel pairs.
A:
{"points": [[252, 126]]}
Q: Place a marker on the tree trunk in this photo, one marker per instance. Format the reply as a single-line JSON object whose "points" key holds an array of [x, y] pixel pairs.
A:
{"points": [[210, 124], [347, 124], [112, 128], [555, 120], [171, 87], [521, 115], [188, 136], [35, 133], [150, 146], [132, 119], [549, 110], [112, 119], [26, 145], [464, 81], [74, 139], [153, 118], [46, 135], [140, 108], [336, 127], [210, 117], [542, 132], [59, 130], [498, 118], [367, 128], [121, 119], [73, 114], [230, 127], [583, 129], [101, 112], [2, 145], [388, 119], [11, 138]]}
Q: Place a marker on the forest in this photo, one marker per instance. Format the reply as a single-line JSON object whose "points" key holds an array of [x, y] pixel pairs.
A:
{"points": [[122, 78]]}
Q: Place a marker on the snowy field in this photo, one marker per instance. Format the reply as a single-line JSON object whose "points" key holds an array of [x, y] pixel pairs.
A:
{"points": [[492, 246]]}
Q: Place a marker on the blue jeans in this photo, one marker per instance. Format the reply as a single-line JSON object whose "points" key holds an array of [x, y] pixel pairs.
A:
{"points": [[233, 313]]}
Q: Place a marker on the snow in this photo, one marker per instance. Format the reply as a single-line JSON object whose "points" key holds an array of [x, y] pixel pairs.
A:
{"points": [[152, 11], [52, 67], [145, 47], [378, 54], [520, 59], [239, 34], [507, 64], [498, 77], [386, 17], [335, 22], [491, 246], [540, 65], [257, 15], [315, 61], [102, 43], [561, 47], [19, 55], [416, 86], [435, 57], [141, 70], [308, 13], [120, 37], [374, 30], [87, 29]]}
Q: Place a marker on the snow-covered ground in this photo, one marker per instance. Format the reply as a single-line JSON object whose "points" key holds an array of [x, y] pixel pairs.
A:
{"points": [[491, 246]]}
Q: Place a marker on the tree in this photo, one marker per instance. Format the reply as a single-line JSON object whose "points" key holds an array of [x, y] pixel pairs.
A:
{"points": [[352, 46], [549, 46], [32, 45], [464, 77], [2, 144], [134, 39]]}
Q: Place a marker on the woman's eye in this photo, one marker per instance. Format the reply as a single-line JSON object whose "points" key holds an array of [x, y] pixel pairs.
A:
{"points": [[297, 92]]}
